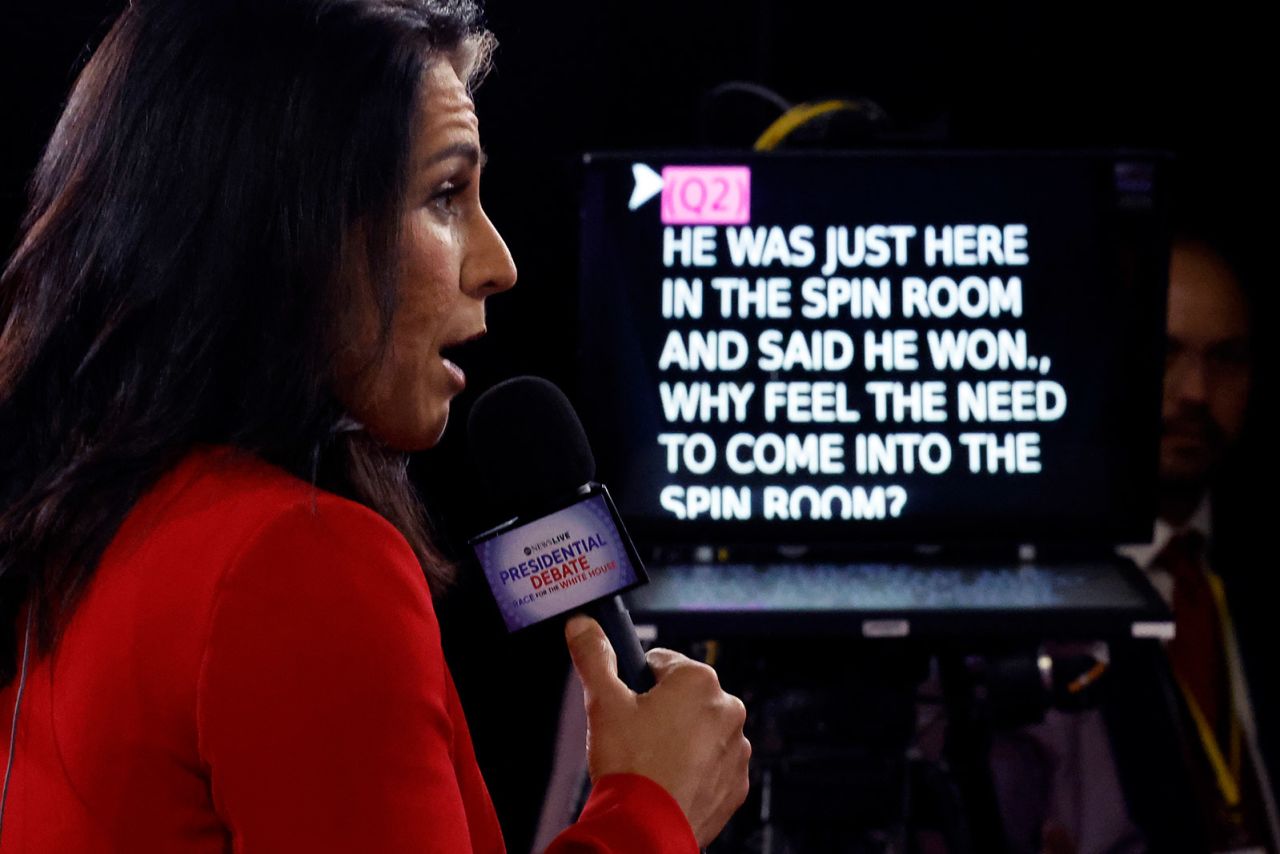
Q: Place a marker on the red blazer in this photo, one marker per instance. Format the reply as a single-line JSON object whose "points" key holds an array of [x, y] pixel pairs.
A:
{"points": [[256, 667]]}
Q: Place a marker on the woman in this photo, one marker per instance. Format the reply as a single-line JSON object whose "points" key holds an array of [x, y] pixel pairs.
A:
{"points": [[253, 238]]}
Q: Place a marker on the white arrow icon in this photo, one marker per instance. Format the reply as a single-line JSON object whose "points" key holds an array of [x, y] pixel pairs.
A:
{"points": [[648, 185]]}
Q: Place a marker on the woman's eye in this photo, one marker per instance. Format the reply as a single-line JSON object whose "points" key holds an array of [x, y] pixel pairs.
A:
{"points": [[445, 199]]}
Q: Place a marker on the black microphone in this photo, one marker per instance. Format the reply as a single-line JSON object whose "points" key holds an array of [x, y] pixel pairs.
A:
{"points": [[564, 549]]}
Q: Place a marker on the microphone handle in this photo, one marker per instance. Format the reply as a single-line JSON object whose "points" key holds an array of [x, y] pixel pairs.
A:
{"points": [[613, 617]]}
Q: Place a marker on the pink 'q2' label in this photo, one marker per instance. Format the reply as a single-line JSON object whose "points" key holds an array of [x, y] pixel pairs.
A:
{"points": [[706, 195]]}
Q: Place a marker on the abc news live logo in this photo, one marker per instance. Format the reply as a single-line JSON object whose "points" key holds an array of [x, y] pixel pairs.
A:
{"points": [[546, 544]]}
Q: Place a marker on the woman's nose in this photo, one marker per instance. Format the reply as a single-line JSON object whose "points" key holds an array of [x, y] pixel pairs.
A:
{"points": [[488, 268]]}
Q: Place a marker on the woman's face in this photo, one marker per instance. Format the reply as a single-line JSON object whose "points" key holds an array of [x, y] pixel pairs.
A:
{"points": [[451, 259]]}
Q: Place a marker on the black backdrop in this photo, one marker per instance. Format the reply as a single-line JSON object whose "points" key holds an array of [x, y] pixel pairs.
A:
{"points": [[579, 75]]}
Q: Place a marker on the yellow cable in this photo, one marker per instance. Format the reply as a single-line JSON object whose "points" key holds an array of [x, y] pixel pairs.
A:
{"points": [[1084, 680], [797, 116]]}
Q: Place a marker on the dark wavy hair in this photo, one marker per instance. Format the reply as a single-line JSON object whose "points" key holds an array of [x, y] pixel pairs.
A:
{"points": [[179, 276]]}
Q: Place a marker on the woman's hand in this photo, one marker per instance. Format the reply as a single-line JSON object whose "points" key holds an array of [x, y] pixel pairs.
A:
{"points": [[685, 733]]}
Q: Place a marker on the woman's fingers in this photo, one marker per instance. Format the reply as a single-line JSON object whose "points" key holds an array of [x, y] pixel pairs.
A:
{"points": [[685, 733], [594, 660]]}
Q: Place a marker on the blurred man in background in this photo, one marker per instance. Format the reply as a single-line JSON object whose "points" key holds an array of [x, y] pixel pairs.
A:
{"points": [[1207, 383], [1064, 781]]}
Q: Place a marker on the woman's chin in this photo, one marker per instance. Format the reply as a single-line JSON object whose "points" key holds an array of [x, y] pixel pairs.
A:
{"points": [[409, 436]]}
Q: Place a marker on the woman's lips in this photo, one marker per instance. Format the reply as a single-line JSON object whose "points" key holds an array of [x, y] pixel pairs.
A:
{"points": [[455, 372], [456, 347]]}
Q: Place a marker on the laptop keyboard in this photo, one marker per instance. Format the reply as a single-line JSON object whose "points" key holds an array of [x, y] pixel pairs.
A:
{"points": [[883, 587]]}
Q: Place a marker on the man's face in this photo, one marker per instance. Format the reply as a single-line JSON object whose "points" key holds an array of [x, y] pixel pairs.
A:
{"points": [[1207, 366]]}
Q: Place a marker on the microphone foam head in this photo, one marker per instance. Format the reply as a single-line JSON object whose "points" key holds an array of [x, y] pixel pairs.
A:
{"points": [[527, 444]]}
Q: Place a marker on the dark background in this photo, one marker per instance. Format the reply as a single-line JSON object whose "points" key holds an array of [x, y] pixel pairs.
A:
{"points": [[578, 75]]}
